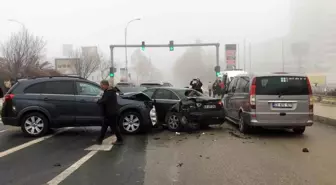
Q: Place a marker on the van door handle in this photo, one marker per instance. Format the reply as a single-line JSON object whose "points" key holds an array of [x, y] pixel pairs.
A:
{"points": [[82, 101], [46, 99]]}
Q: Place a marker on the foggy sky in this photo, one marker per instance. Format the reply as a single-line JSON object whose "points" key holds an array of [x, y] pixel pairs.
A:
{"points": [[102, 22]]}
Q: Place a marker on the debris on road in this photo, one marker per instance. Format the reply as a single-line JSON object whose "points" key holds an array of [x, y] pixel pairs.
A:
{"points": [[305, 150], [57, 164], [201, 156], [156, 138], [177, 133], [238, 135], [179, 165]]}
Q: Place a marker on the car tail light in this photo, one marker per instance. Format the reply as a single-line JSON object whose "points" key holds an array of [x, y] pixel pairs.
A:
{"points": [[8, 97], [311, 99], [220, 103], [253, 94]]}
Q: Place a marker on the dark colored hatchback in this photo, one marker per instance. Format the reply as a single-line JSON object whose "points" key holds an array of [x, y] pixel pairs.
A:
{"points": [[38, 104]]}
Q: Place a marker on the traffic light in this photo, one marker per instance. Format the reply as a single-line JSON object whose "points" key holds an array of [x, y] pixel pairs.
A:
{"points": [[217, 70], [171, 45], [111, 72], [143, 46]]}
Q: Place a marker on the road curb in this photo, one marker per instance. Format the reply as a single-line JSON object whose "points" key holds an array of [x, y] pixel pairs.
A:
{"points": [[325, 120]]}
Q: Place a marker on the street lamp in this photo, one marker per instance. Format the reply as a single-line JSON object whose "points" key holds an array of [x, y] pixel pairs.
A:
{"points": [[126, 62], [13, 20]]}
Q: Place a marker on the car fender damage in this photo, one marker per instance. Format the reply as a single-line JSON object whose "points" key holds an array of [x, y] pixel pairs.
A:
{"points": [[194, 112]]}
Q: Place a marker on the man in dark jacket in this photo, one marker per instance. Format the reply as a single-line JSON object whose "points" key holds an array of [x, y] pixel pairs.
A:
{"points": [[109, 105]]}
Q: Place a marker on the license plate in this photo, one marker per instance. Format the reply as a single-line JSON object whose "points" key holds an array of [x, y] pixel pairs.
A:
{"points": [[282, 105], [209, 106]]}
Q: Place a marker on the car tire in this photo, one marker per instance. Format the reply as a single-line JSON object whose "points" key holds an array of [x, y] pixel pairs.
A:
{"points": [[299, 130], [130, 122], [34, 124], [173, 121], [242, 126]]}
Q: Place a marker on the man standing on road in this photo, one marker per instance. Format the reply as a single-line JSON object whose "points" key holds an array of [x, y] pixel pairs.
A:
{"points": [[109, 105]]}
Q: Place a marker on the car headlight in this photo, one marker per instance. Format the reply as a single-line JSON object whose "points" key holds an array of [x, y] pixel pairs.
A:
{"points": [[153, 116]]}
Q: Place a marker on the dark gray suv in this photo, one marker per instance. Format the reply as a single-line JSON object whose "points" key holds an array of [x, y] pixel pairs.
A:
{"points": [[38, 104]]}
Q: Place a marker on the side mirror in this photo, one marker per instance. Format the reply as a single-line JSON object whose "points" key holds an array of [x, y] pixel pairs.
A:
{"points": [[154, 100], [233, 89]]}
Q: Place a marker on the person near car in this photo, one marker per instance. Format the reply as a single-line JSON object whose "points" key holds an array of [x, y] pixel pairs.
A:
{"points": [[210, 88], [221, 85], [216, 88], [109, 105]]}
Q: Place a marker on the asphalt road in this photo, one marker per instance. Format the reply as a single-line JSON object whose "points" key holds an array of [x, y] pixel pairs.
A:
{"points": [[216, 156]]}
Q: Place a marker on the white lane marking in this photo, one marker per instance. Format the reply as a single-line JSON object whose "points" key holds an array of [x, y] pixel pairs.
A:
{"points": [[95, 148], [106, 146], [59, 178], [1, 131], [25, 145]]}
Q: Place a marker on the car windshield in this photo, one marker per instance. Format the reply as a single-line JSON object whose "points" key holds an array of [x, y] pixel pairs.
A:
{"points": [[188, 93], [282, 85]]}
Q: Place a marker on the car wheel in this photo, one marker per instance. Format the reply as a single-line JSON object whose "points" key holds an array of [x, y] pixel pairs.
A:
{"points": [[173, 122], [243, 127], [130, 122], [35, 124], [299, 130]]}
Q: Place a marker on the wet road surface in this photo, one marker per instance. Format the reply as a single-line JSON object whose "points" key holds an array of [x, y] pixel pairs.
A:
{"points": [[218, 156]]}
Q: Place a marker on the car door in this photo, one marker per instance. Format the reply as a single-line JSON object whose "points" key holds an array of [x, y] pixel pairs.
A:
{"points": [[163, 100], [58, 97], [88, 112], [227, 99], [240, 96]]}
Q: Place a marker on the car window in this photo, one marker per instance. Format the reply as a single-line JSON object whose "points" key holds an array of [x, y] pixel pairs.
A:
{"points": [[87, 89], [282, 85], [59, 87], [149, 92], [37, 88], [243, 85], [233, 83], [165, 95]]}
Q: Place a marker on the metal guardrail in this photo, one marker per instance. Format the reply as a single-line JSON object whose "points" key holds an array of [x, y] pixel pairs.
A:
{"points": [[324, 99]]}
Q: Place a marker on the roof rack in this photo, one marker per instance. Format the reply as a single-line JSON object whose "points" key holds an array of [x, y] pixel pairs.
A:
{"points": [[57, 76]]}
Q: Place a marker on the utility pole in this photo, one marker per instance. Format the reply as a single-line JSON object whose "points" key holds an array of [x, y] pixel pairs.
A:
{"points": [[244, 54], [283, 55], [250, 56]]}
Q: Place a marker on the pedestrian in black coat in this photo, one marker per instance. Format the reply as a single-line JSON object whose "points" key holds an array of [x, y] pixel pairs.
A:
{"points": [[109, 107]]}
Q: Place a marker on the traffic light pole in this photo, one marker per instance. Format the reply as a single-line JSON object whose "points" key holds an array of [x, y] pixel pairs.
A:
{"points": [[163, 46]]}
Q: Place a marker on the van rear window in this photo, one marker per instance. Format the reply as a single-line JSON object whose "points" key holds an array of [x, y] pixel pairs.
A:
{"points": [[282, 85]]}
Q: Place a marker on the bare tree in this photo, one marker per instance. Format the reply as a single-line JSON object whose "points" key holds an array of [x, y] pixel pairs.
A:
{"points": [[87, 63], [22, 52]]}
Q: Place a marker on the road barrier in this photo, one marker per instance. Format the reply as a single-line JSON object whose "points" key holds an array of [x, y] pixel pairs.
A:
{"points": [[325, 99]]}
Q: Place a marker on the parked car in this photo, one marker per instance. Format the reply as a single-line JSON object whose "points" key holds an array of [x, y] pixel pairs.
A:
{"points": [[167, 99], [278, 100], [125, 84], [39, 104], [126, 89], [151, 85]]}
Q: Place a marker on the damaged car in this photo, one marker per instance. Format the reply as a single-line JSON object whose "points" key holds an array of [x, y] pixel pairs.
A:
{"points": [[178, 106]]}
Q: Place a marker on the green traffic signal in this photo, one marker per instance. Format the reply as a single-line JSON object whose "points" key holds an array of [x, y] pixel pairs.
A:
{"points": [[111, 74], [143, 48], [217, 74], [171, 48]]}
